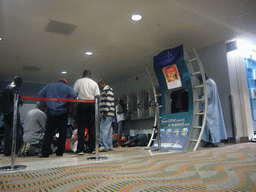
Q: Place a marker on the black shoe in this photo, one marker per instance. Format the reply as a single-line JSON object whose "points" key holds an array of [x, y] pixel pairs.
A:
{"points": [[23, 152], [59, 155], [79, 152], [88, 151], [43, 156], [210, 145]]}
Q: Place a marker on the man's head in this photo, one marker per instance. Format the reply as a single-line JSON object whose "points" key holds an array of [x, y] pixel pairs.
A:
{"points": [[121, 102], [87, 73], [39, 106], [101, 84], [17, 81], [63, 80], [201, 78]]}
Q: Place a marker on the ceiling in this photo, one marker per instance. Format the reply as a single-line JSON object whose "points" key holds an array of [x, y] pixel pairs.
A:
{"points": [[121, 47]]}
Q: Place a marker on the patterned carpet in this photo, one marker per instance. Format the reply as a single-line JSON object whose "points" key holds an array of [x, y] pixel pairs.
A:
{"points": [[228, 168]]}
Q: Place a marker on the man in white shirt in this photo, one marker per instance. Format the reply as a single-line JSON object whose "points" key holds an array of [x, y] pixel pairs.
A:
{"points": [[120, 116], [88, 89]]}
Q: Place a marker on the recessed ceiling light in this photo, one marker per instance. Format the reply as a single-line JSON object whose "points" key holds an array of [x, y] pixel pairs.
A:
{"points": [[136, 17], [0, 38], [88, 53], [64, 72]]}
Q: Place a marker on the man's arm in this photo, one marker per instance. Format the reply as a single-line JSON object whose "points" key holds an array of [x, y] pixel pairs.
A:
{"points": [[72, 93], [42, 93], [42, 120], [76, 87], [109, 99]]}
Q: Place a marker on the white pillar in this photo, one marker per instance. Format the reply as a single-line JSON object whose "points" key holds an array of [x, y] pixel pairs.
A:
{"points": [[241, 99]]}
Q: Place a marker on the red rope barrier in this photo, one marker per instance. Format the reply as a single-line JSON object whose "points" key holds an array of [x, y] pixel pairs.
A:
{"points": [[57, 99]]}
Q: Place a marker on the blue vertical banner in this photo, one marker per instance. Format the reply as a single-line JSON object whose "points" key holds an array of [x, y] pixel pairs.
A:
{"points": [[177, 98]]}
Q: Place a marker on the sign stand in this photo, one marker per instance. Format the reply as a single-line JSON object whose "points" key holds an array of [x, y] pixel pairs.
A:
{"points": [[177, 99]]}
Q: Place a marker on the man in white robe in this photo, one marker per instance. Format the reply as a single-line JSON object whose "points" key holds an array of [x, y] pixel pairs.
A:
{"points": [[215, 130]]}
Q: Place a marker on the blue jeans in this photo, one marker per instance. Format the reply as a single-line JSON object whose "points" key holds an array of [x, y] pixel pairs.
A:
{"points": [[121, 128], [106, 132]]}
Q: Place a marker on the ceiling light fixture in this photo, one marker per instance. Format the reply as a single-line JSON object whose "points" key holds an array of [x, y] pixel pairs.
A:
{"points": [[88, 53], [64, 72], [136, 17]]}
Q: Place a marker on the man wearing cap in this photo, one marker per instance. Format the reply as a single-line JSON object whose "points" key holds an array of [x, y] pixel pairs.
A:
{"points": [[57, 115]]}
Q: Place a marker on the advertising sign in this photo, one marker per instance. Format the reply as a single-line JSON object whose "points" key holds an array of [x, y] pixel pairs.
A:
{"points": [[176, 96], [172, 76]]}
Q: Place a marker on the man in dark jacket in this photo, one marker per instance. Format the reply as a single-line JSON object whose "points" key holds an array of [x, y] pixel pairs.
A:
{"points": [[57, 115], [7, 106]]}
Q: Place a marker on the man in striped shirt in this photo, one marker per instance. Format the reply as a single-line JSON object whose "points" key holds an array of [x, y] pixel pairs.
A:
{"points": [[107, 111]]}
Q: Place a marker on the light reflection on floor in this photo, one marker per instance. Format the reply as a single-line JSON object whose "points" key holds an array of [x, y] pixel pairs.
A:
{"points": [[71, 159]]}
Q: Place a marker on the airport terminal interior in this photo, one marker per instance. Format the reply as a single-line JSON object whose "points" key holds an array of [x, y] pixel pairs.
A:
{"points": [[183, 72]]}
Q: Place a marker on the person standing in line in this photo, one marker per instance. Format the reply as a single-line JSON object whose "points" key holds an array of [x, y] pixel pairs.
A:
{"points": [[107, 111], [7, 109], [34, 129], [120, 116], [57, 115], [88, 89]]}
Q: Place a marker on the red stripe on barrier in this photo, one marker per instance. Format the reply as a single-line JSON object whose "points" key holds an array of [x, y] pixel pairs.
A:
{"points": [[58, 99]]}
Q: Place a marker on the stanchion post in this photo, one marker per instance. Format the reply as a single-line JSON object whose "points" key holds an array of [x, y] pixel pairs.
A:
{"points": [[97, 119], [158, 126], [14, 129], [97, 128]]}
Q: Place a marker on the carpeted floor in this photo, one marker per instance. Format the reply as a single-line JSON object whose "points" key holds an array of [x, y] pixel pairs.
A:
{"points": [[228, 168]]}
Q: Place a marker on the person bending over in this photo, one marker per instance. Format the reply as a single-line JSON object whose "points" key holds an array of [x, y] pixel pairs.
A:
{"points": [[57, 115]]}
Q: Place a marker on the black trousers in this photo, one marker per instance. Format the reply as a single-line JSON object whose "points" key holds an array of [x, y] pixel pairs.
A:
{"points": [[8, 132], [54, 123], [86, 116]]}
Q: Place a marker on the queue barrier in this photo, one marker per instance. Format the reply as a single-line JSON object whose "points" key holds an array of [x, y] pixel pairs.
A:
{"points": [[58, 99], [15, 112]]}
